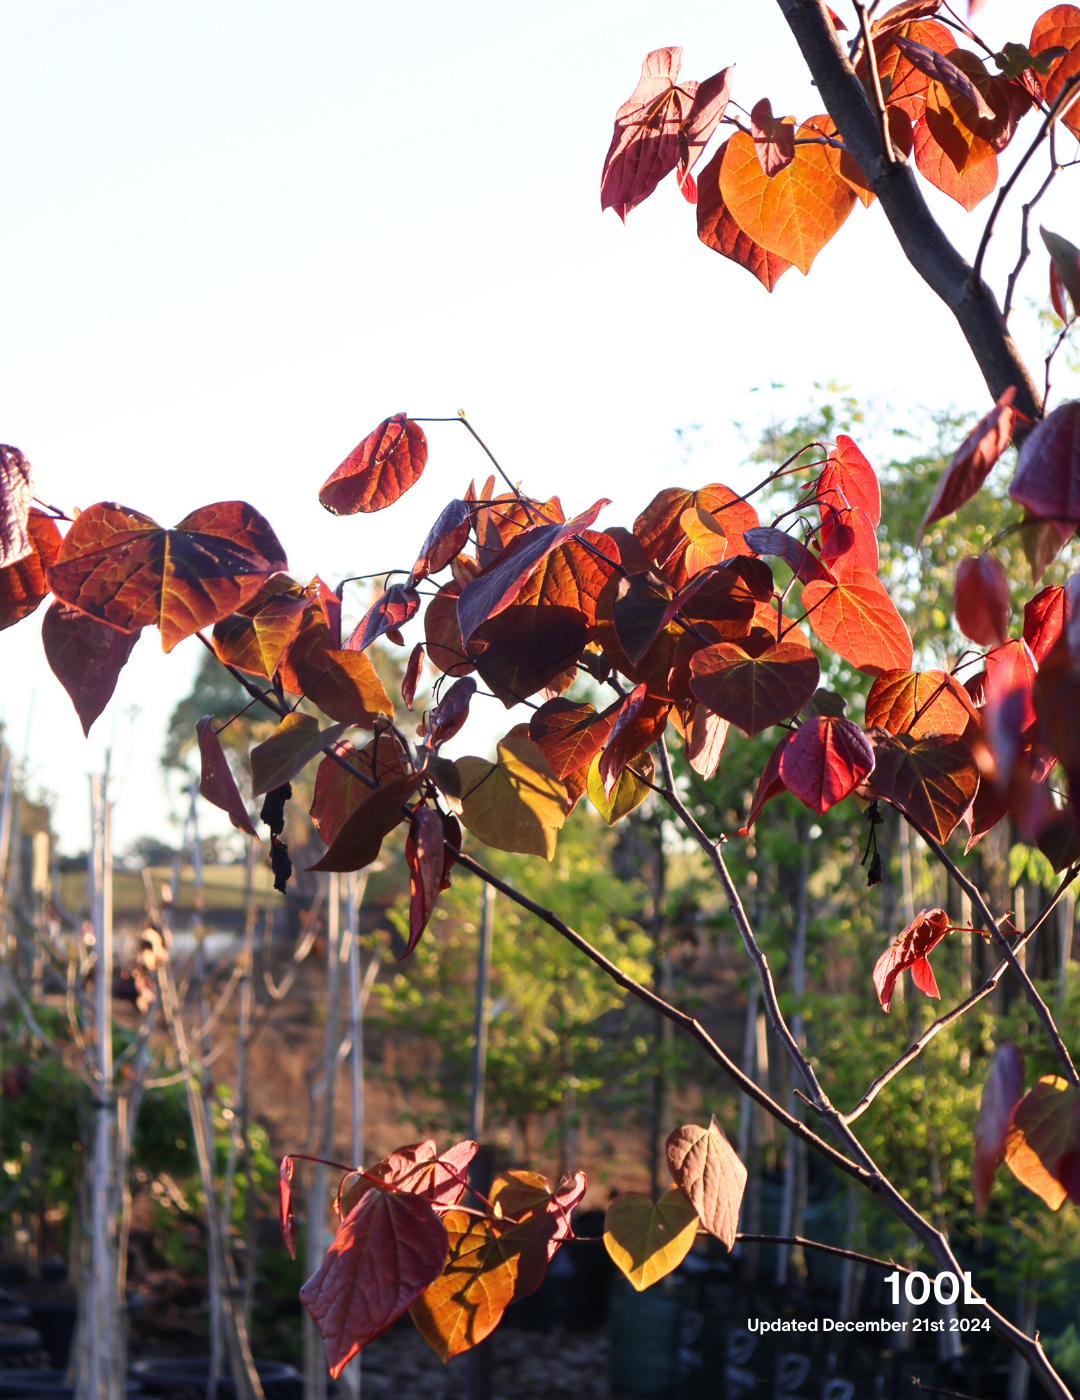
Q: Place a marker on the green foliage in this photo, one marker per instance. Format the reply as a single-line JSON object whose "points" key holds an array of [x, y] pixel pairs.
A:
{"points": [[547, 1000]]}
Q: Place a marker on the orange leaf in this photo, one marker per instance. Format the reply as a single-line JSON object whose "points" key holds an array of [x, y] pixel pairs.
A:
{"points": [[124, 569], [719, 231], [848, 480], [569, 734], [660, 532], [1043, 1130], [754, 692], [257, 643], [905, 84], [1058, 28], [488, 1261], [379, 470], [859, 621], [919, 703], [794, 213], [951, 149]]}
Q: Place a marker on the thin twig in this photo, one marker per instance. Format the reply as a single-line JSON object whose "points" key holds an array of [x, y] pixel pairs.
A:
{"points": [[979, 904], [875, 79], [1006, 189], [825, 1249], [1025, 249]]}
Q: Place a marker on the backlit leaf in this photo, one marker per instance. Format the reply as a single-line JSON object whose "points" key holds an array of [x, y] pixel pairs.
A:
{"points": [[950, 152], [291, 747], [390, 611], [420, 1168], [16, 495], [450, 714], [796, 554], [629, 792], [1010, 669], [24, 585], [647, 1239], [665, 542], [705, 737], [1065, 262], [770, 785], [1002, 1091], [516, 803], [257, 643], [411, 678], [570, 735], [718, 230], [1042, 1131], [359, 839], [389, 1248], [124, 569], [981, 600], [933, 780], [481, 1276], [858, 620], [919, 703], [442, 635], [1047, 480], [344, 684], [848, 542], [909, 949], [645, 145], [285, 1210], [425, 856], [445, 540], [706, 1167], [826, 759], [942, 69], [972, 461], [639, 722], [338, 792], [848, 480], [497, 586], [86, 657], [753, 692], [795, 212], [774, 138], [378, 470], [1059, 28], [1044, 617], [217, 783], [906, 85]]}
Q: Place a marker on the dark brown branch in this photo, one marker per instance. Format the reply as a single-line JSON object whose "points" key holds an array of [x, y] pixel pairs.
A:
{"points": [[924, 243], [687, 1023]]}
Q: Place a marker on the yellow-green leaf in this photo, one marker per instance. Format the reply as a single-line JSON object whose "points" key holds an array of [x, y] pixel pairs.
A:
{"points": [[646, 1239], [1042, 1132], [516, 803], [629, 792], [293, 744]]}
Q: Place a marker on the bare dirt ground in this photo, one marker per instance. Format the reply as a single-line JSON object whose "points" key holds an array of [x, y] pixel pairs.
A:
{"points": [[525, 1366]]}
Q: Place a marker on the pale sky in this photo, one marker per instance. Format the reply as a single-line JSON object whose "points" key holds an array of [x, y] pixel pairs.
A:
{"points": [[238, 234]]}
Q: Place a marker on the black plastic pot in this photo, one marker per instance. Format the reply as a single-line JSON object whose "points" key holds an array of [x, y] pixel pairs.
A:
{"points": [[19, 1346], [56, 1323], [187, 1378]]}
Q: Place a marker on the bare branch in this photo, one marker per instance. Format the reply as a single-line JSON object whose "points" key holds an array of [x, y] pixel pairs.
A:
{"points": [[924, 243]]}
